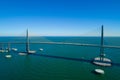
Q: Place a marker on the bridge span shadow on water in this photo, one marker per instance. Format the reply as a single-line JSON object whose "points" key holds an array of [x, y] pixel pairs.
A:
{"points": [[72, 59], [61, 57]]}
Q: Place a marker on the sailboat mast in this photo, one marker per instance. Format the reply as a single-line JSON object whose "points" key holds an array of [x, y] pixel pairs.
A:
{"points": [[8, 47], [27, 42], [102, 43]]}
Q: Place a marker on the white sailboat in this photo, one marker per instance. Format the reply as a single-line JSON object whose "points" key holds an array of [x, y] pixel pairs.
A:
{"points": [[8, 55], [2, 50]]}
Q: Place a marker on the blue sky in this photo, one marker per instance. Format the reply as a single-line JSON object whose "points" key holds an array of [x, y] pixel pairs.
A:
{"points": [[59, 17]]}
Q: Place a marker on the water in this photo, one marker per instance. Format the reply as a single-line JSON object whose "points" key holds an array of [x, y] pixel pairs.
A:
{"points": [[59, 62]]}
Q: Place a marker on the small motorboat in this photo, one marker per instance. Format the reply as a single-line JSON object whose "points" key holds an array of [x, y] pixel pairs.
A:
{"points": [[8, 56], [14, 49], [99, 71], [41, 49], [22, 54]]}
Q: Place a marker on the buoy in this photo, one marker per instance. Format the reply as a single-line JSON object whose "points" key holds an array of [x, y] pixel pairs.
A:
{"points": [[99, 71]]}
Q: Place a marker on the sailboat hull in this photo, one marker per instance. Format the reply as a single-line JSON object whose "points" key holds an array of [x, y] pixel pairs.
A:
{"points": [[31, 52]]}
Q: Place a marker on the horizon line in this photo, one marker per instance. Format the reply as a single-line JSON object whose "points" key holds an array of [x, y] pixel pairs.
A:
{"points": [[59, 36]]}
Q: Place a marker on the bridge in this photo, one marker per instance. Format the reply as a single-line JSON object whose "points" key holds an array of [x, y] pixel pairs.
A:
{"points": [[64, 43], [101, 60]]}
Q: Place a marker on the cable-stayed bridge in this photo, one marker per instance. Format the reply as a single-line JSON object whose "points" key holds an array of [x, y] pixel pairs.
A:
{"points": [[64, 43], [101, 60]]}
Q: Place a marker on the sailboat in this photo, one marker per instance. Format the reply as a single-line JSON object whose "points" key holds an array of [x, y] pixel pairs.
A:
{"points": [[102, 60], [8, 55], [2, 50]]}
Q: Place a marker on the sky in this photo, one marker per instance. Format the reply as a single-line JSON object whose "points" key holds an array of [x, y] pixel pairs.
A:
{"points": [[59, 17]]}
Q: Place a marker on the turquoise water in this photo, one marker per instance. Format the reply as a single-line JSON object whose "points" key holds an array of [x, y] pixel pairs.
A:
{"points": [[58, 62]]}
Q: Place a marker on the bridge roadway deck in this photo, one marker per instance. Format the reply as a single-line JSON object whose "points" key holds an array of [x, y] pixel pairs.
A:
{"points": [[64, 43]]}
